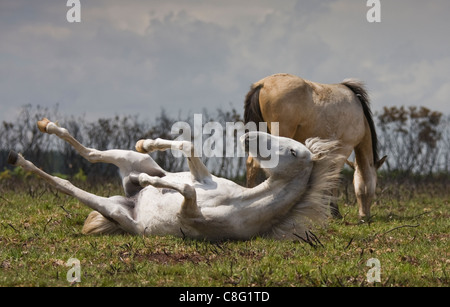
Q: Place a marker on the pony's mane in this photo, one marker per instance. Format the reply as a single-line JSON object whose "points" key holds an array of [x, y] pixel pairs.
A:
{"points": [[313, 207]]}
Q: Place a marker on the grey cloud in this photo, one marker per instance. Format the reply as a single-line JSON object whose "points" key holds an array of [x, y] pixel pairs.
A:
{"points": [[139, 57]]}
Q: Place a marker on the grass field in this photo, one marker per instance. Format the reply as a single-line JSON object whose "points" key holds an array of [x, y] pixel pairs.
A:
{"points": [[40, 230]]}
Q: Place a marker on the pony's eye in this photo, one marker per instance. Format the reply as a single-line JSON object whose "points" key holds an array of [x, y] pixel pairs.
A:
{"points": [[294, 153]]}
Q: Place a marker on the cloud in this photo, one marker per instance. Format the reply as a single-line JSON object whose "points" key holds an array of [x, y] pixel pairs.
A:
{"points": [[189, 55]]}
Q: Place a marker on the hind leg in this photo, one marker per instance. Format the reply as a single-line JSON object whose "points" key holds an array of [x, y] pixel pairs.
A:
{"points": [[116, 208], [364, 180], [126, 160]]}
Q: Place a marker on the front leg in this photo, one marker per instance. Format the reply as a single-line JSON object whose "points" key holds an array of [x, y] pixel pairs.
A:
{"points": [[198, 170], [189, 206]]}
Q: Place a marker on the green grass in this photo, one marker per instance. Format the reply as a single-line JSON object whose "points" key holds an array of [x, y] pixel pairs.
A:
{"points": [[40, 230]]}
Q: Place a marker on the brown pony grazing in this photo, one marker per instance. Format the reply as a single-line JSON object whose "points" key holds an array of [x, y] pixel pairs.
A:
{"points": [[306, 109]]}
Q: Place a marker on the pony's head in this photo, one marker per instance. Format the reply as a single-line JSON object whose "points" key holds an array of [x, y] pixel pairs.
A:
{"points": [[278, 156]]}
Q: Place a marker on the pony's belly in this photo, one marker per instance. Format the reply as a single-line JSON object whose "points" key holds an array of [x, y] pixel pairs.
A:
{"points": [[157, 211]]}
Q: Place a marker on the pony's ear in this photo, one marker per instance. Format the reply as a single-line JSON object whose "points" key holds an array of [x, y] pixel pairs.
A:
{"points": [[380, 162], [318, 156]]}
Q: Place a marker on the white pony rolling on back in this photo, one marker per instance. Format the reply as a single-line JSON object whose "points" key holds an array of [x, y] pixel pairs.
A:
{"points": [[197, 204]]}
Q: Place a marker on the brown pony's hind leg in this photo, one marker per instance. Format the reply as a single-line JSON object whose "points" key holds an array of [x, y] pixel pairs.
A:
{"points": [[364, 179]]}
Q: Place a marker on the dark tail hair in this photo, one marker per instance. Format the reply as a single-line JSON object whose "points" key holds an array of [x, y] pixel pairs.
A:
{"points": [[252, 109], [357, 87]]}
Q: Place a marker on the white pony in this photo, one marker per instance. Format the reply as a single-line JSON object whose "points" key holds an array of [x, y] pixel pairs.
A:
{"points": [[197, 204]]}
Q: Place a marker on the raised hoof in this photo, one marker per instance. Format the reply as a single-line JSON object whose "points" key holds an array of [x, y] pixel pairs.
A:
{"points": [[140, 146], [134, 178], [12, 157], [42, 125]]}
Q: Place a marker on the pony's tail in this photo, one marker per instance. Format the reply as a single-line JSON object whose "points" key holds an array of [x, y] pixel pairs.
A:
{"points": [[252, 109], [98, 224], [357, 87]]}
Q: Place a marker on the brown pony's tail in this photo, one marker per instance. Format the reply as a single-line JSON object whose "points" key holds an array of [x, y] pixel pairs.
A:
{"points": [[357, 87], [252, 109]]}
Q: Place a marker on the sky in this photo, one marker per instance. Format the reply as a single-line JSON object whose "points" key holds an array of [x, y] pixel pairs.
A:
{"points": [[137, 57]]}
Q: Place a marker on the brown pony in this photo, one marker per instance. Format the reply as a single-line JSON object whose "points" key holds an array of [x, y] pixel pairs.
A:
{"points": [[306, 109]]}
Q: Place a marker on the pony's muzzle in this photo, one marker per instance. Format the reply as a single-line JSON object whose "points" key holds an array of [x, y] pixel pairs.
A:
{"points": [[13, 157]]}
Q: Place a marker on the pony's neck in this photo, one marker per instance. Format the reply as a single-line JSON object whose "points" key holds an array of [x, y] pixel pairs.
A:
{"points": [[277, 192], [270, 202]]}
